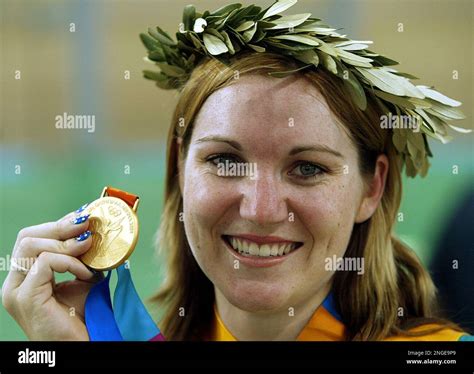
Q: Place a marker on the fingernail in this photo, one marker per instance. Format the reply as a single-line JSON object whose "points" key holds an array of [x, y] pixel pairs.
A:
{"points": [[82, 208], [83, 236], [80, 219]]}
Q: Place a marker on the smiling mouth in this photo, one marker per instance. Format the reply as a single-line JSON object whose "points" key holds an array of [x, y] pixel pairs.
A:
{"points": [[249, 248]]}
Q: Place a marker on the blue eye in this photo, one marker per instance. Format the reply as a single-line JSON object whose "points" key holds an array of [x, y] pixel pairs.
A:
{"points": [[222, 159], [306, 170]]}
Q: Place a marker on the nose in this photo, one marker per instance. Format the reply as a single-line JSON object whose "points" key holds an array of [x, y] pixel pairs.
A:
{"points": [[264, 201]]}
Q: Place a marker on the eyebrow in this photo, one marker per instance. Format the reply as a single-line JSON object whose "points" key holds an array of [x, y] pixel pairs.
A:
{"points": [[316, 148], [306, 148], [220, 139]]}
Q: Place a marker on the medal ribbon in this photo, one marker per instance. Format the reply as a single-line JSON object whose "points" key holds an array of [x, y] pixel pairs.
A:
{"points": [[99, 315], [127, 320]]}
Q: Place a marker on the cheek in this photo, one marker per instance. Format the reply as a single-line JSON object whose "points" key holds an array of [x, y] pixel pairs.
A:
{"points": [[206, 200], [207, 197], [204, 197], [327, 212]]}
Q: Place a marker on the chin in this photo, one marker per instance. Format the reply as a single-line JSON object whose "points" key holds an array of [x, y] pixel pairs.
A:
{"points": [[253, 296]]}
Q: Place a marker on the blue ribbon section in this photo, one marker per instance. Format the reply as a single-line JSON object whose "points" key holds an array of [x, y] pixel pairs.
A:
{"points": [[99, 316], [127, 320], [330, 305], [131, 315]]}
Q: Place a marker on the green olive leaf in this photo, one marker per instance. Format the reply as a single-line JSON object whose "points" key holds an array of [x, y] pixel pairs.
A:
{"points": [[437, 96], [196, 41], [214, 45], [228, 42], [283, 74], [328, 62], [162, 37], [279, 7], [153, 75], [406, 75], [397, 100], [150, 43], [221, 23], [460, 129], [157, 55], [308, 57], [384, 80], [399, 140], [444, 111], [257, 48], [385, 61], [248, 35], [354, 59], [327, 48], [171, 70], [214, 32], [303, 39], [245, 26], [355, 90], [314, 28], [289, 21], [189, 13]]}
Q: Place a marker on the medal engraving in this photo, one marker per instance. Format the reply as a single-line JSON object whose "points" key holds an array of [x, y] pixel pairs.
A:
{"points": [[114, 228]]}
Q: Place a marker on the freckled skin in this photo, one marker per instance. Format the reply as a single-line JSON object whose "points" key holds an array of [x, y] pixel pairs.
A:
{"points": [[255, 112]]}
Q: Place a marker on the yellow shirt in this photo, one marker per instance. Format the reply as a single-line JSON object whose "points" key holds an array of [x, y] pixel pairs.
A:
{"points": [[324, 325]]}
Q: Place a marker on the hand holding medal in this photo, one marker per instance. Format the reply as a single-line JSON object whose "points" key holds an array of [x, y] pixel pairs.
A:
{"points": [[114, 227], [99, 236]]}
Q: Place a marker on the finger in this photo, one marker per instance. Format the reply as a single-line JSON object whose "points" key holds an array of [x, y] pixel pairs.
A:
{"points": [[47, 264], [67, 227], [75, 292], [30, 248]]}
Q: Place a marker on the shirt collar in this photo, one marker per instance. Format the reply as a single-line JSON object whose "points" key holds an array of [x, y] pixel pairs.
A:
{"points": [[324, 325]]}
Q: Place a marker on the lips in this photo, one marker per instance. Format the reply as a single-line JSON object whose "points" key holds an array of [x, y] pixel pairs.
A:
{"points": [[261, 247]]}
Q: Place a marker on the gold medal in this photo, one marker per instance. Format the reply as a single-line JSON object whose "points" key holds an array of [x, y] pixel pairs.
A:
{"points": [[114, 226]]}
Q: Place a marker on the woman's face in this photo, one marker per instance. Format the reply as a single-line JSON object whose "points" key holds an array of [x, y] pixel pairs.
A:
{"points": [[262, 238]]}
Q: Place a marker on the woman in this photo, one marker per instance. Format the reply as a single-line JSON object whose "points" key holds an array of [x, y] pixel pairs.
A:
{"points": [[281, 195]]}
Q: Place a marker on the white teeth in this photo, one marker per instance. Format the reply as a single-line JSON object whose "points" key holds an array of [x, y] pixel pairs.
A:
{"points": [[245, 246], [241, 247], [274, 250], [253, 249], [266, 250], [281, 249]]}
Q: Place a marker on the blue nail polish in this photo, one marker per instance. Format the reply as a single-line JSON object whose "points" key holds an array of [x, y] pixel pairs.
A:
{"points": [[83, 236], [80, 219], [82, 208]]}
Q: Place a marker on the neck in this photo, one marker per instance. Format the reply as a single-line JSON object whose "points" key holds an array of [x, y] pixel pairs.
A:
{"points": [[284, 324]]}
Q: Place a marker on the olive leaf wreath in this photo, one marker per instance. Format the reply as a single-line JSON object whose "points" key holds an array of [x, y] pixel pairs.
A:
{"points": [[232, 29]]}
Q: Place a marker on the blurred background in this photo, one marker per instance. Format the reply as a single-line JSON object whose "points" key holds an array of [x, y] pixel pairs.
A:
{"points": [[85, 58]]}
